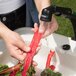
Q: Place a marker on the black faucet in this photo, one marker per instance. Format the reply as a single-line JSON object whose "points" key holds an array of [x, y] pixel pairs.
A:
{"points": [[59, 11]]}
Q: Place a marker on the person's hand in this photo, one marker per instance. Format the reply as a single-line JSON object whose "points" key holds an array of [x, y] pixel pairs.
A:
{"points": [[15, 45], [48, 27], [14, 42]]}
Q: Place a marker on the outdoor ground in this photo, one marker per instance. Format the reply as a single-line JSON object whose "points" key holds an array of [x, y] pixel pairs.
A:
{"points": [[65, 26]]}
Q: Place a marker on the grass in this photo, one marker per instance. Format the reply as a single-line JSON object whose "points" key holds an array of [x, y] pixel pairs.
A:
{"points": [[65, 26]]}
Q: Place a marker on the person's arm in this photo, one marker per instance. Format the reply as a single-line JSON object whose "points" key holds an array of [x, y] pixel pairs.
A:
{"points": [[2, 29], [46, 27]]}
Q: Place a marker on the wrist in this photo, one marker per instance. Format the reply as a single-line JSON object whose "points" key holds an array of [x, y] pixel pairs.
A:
{"points": [[45, 4], [3, 30]]}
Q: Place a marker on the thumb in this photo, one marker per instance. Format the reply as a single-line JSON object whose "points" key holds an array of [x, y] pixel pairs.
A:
{"points": [[42, 27], [21, 44]]}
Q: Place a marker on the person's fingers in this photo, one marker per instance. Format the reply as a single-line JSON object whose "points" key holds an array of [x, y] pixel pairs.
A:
{"points": [[42, 27], [21, 44], [35, 27], [34, 63], [48, 30], [19, 51], [47, 33], [52, 27], [17, 55], [38, 48]]}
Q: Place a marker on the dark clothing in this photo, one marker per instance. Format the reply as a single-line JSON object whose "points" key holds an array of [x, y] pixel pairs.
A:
{"points": [[15, 19], [31, 13], [25, 16]]}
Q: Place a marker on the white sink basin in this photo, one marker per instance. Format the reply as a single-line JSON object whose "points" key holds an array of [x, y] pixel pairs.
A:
{"points": [[66, 60], [5, 58]]}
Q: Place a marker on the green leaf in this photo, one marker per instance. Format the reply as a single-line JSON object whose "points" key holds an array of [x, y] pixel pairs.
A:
{"points": [[49, 72]]}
